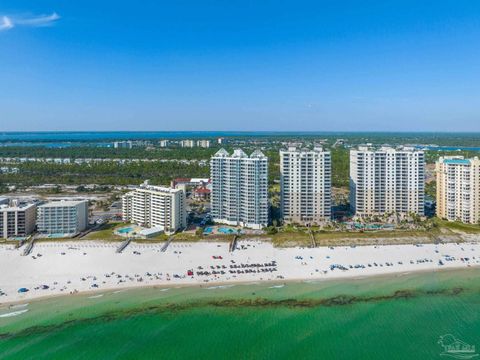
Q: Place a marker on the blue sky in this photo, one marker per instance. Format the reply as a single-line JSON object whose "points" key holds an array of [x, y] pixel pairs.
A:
{"points": [[240, 65]]}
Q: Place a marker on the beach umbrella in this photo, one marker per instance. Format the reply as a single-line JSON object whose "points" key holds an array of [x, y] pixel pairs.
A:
{"points": [[23, 290]]}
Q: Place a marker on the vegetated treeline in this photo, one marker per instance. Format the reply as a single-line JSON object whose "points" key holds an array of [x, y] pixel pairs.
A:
{"points": [[340, 167], [89, 152], [108, 173], [470, 139], [431, 189], [271, 142]]}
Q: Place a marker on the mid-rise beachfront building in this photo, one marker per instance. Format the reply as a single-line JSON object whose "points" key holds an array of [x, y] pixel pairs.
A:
{"points": [[387, 180], [239, 188], [203, 143], [155, 207], [187, 143], [62, 217], [305, 185], [163, 143], [16, 220], [458, 189]]}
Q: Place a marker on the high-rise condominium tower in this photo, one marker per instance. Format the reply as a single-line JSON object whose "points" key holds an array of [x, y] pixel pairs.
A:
{"points": [[387, 180], [239, 188], [305, 185], [458, 189]]}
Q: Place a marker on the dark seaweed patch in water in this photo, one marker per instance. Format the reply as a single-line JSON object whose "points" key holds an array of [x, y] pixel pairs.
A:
{"points": [[340, 300]]}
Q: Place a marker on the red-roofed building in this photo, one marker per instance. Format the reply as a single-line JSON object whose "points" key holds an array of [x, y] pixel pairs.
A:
{"points": [[201, 193]]}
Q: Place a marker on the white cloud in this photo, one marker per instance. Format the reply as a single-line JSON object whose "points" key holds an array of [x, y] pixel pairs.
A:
{"points": [[38, 21], [9, 22], [6, 23]]}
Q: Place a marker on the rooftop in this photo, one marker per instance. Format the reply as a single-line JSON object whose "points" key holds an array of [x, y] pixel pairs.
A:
{"points": [[151, 231], [21, 207], [202, 190], [387, 148], [163, 189], [298, 149], [62, 203], [456, 161], [239, 154], [191, 180]]}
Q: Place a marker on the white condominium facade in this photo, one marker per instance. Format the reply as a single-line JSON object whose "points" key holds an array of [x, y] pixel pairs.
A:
{"points": [[62, 217], [17, 220], [123, 144], [187, 143], [458, 189], [306, 185], [155, 206], [239, 188], [203, 143], [387, 180]]}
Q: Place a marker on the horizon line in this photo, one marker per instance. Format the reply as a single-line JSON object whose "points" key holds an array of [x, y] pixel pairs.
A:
{"points": [[245, 131]]}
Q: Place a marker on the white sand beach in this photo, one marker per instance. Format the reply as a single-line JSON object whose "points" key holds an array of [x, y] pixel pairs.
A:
{"points": [[71, 267]]}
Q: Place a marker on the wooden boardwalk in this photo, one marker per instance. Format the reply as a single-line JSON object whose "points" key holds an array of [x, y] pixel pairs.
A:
{"points": [[165, 246], [28, 249], [233, 243], [312, 238], [123, 245]]}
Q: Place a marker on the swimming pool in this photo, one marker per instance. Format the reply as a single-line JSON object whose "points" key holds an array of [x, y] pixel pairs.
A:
{"points": [[208, 230], [224, 230], [125, 230]]}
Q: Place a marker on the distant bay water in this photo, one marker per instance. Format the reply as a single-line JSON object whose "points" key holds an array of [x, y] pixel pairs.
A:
{"points": [[392, 317], [116, 135], [59, 139], [450, 148]]}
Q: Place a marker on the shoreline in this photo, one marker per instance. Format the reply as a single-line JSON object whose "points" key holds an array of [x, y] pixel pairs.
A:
{"points": [[212, 285], [92, 268]]}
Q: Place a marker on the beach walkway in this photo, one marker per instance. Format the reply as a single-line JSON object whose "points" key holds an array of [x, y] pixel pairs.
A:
{"points": [[312, 238], [233, 243], [28, 249], [165, 246], [123, 245]]}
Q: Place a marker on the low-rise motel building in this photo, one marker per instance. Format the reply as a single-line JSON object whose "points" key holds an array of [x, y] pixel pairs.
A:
{"points": [[458, 189], [155, 207]]}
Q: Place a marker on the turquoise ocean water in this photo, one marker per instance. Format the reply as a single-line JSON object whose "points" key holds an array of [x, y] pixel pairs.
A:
{"points": [[399, 317]]}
